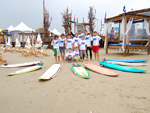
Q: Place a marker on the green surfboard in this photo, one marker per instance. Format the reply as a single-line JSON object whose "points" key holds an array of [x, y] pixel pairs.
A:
{"points": [[26, 70], [80, 71]]}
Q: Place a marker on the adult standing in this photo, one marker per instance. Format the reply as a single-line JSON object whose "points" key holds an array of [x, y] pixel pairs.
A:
{"points": [[88, 39], [80, 34]]}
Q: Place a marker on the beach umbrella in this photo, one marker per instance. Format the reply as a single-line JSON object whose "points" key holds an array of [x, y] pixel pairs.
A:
{"points": [[54, 31], [17, 43], [8, 43], [28, 44], [39, 41], [1, 30]]}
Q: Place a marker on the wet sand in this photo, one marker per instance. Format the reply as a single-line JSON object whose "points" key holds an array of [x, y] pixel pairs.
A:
{"points": [[68, 93]]}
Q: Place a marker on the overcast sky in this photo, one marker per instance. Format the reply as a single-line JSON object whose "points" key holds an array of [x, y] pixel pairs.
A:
{"points": [[31, 11]]}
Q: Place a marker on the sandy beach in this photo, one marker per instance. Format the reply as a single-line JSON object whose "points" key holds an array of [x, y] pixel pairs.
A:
{"points": [[68, 93]]}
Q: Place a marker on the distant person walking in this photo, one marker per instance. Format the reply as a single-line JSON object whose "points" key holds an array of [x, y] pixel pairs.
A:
{"points": [[112, 34]]}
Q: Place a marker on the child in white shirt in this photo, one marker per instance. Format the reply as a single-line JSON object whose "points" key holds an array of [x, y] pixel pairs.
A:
{"points": [[82, 45], [55, 43], [69, 43], [96, 45], [62, 40], [69, 55], [76, 55], [76, 40]]}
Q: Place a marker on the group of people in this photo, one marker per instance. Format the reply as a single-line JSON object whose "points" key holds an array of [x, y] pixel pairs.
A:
{"points": [[76, 48]]}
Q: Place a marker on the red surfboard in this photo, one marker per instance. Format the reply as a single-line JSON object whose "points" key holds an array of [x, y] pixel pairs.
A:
{"points": [[100, 70]]}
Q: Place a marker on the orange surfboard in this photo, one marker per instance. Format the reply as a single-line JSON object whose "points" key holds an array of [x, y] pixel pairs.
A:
{"points": [[100, 70]]}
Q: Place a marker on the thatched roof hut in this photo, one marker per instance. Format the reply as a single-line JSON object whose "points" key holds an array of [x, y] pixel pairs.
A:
{"points": [[40, 30], [137, 16]]}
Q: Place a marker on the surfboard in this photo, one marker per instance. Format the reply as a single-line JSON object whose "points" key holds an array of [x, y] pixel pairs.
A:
{"points": [[122, 68], [125, 60], [80, 71], [127, 64], [21, 64], [26, 70], [100, 70], [51, 72]]}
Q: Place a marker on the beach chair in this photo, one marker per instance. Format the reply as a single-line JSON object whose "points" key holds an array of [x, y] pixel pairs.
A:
{"points": [[43, 51], [1, 45], [24, 51], [1, 57], [9, 48], [17, 49], [6, 48], [31, 51]]}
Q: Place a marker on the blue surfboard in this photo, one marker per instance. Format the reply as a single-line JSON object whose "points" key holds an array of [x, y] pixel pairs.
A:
{"points": [[122, 68], [125, 60]]}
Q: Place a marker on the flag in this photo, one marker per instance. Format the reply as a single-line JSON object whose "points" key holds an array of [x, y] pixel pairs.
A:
{"points": [[124, 9], [105, 18], [77, 20], [83, 19], [74, 18]]}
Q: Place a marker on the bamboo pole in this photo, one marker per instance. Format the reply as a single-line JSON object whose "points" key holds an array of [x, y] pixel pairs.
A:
{"points": [[128, 40], [106, 42], [119, 34], [125, 36], [148, 51]]}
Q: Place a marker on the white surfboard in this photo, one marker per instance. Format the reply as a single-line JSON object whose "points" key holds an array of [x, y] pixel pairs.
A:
{"points": [[128, 64], [21, 64], [51, 72], [28, 69]]}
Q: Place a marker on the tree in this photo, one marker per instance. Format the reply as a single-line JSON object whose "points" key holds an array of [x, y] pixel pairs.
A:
{"points": [[92, 18], [46, 21], [66, 19]]}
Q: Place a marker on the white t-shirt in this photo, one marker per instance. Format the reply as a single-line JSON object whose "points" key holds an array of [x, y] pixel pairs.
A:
{"points": [[61, 42], [96, 40], [76, 53], [80, 35], [56, 44], [82, 45], [69, 54], [69, 43], [88, 40], [76, 41], [52, 45]]}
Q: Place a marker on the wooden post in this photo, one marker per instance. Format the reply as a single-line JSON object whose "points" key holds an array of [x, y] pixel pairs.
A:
{"points": [[32, 39], [119, 34], [106, 42], [74, 28], [148, 50], [125, 36], [128, 40]]}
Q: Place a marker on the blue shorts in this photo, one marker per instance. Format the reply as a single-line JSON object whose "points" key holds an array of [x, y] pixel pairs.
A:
{"points": [[62, 49], [111, 35]]}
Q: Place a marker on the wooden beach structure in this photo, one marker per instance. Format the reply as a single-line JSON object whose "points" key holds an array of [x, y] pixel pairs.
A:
{"points": [[138, 16], [3, 36], [81, 26], [32, 35]]}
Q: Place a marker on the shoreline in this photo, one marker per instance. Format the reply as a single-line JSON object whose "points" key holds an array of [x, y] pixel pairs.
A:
{"points": [[68, 93]]}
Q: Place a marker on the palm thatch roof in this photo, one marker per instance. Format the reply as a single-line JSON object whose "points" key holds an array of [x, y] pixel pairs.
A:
{"points": [[137, 15], [40, 30]]}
